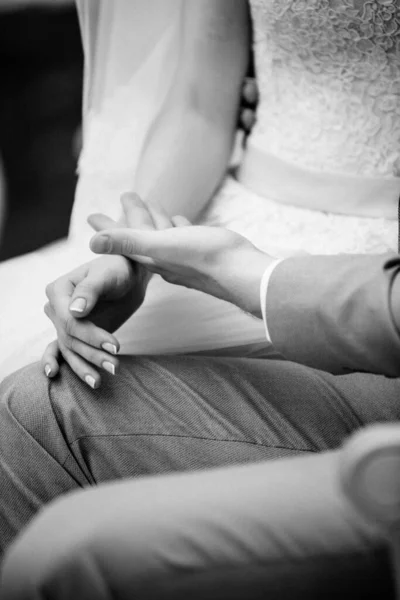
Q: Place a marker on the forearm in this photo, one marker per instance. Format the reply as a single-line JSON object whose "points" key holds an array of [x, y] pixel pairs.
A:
{"points": [[188, 148], [183, 162]]}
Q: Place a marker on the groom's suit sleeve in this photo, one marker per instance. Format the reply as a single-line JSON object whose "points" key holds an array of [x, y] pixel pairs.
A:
{"points": [[337, 313]]}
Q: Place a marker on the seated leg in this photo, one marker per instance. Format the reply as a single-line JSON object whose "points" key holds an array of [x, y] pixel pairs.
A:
{"points": [[169, 414], [280, 530], [35, 462]]}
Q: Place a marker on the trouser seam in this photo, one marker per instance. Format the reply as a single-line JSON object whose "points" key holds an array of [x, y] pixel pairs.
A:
{"points": [[193, 437], [68, 454]]}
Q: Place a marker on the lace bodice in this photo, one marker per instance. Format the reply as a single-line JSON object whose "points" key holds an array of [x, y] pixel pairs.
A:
{"points": [[329, 78]]}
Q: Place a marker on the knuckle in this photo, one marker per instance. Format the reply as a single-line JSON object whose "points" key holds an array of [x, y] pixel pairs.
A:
{"points": [[108, 273], [92, 356], [49, 353], [94, 337], [83, 285], [69, 326], [45, 356], [91, 339], [85, 289], [66, 354], [47, 310], [52, 349], [70, 343], [49, 290], [127, 246]]}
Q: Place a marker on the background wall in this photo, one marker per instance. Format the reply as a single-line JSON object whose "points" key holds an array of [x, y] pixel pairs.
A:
{"points": [[40, 113]]}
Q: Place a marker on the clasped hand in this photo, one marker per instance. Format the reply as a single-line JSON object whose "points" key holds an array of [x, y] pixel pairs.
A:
{"points": [[90, 303]]}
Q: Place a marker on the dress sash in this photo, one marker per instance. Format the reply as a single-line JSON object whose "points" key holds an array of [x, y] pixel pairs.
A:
{"points": [[269, 176]]}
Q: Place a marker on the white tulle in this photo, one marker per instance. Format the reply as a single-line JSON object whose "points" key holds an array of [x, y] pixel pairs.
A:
{"points": [[325, 106]]}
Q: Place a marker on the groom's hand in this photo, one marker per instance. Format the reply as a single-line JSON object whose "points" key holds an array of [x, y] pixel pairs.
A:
{"points": [[213, 260]]}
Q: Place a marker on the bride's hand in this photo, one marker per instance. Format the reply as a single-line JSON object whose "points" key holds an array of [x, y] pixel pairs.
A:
{"points": [[86, 306], [94, 300], [213, 260]]}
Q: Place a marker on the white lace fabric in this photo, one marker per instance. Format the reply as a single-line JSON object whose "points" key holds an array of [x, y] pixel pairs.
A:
{"points": [[329, 78]]}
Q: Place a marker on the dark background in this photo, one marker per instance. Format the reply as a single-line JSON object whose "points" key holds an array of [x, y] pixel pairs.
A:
{"points": [[40, 115]]}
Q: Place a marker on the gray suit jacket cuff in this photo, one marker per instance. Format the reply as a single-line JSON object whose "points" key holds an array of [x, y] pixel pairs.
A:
{"points": [[333, 312]]}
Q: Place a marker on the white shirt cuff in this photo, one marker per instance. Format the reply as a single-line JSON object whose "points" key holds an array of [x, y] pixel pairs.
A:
{"points": [[263, 293]]}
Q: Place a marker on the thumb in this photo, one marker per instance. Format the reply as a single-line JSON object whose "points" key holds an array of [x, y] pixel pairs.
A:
{"points": [[99, 222], [129, 242], [86, 295]]}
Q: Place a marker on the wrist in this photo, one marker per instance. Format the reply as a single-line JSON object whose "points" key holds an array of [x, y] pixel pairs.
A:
{"points": [[261, 263], [244, 278]]}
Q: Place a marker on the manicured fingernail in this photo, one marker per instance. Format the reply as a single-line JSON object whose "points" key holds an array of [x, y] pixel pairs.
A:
{"points": [[111, 348], [78, 305], [47, 370], [108, 366], [90, 381], [104, 244]]}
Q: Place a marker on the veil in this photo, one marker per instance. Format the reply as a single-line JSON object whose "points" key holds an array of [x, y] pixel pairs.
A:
{"points": [[129, 42], [132, 52]]}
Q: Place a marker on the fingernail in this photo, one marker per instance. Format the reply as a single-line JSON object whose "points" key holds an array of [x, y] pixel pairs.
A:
{"points": [[111, 348], [47, 370], [90, 381], [108, 366], [78, 305], [104, 244]]}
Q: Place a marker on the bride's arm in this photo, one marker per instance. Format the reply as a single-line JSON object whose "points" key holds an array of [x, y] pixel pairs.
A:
{"points": [[186, 154], [189, 146]]}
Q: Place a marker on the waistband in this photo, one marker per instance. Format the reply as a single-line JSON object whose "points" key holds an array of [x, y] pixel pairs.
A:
{"points": [[269, 176]]}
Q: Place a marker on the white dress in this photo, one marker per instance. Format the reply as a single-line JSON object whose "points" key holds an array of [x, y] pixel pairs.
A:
{"points": [[320, 174]]}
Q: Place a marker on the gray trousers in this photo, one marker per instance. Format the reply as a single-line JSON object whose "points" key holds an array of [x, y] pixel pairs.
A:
{"points": [[262, 528]]}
